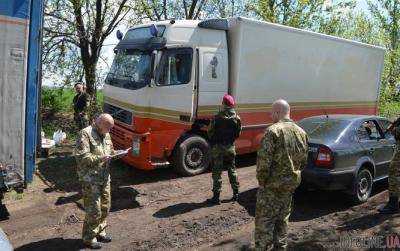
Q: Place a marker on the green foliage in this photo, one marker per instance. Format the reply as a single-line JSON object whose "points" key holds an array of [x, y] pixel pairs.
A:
{"points": [[164, 10], [53, 100], [316, 15], [100, 98], [354, 26], [389, 110], [60, 99], [389, 102], [387, 15], [57, 110]]}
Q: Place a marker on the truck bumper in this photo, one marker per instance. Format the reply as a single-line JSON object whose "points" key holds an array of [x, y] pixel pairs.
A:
{"points": [[140, 155]]}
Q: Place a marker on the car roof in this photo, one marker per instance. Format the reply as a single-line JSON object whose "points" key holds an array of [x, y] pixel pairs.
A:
{"points": [[348, 117]]}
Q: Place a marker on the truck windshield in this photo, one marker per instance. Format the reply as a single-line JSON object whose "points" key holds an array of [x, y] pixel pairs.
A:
{"points": [[131, 69], [144, 32]]}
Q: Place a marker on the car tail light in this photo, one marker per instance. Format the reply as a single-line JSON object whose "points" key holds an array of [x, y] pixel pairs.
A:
{"points": [[324, 157]]}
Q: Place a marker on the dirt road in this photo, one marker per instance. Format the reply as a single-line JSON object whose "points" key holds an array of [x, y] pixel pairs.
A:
{"points": [[160, 211]]}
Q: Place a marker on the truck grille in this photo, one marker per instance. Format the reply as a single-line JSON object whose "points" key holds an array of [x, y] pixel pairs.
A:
{"points": [[119, 114], [118, 137]]}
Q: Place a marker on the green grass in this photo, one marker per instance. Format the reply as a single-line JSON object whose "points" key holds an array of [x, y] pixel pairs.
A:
{"points": [[63, 98], [100, 97], [69, 94], [57, 110]]}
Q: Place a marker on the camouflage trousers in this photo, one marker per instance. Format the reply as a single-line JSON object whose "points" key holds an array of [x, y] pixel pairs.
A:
{"points": [[97, 203], [224, 157], [81, 121], [271, 219], [394, 175]]}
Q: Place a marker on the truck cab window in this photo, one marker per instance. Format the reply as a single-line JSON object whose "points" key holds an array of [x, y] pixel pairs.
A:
{"points": [[175, 67]]}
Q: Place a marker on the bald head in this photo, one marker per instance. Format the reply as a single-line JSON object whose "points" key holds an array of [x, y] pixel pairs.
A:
{"points": [[104, 123], [280, 110]]}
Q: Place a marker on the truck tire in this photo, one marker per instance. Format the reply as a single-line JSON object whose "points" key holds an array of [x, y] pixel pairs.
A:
{"points": [[191, 156], [362, 186]]}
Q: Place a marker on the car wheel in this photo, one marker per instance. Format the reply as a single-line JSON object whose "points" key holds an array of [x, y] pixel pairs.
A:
{"points": [[192, 156], [362, 186]]}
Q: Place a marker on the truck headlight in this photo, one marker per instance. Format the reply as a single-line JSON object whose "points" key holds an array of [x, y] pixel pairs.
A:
{"points": [[135, 146]]}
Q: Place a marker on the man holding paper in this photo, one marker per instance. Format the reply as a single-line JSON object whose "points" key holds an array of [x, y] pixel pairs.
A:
{"points": [[93, 153]]}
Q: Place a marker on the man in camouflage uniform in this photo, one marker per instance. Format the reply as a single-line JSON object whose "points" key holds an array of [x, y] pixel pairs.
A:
{"points": [[81, 104], [280, 159], [392, 206], [92, 153], [224, 130]]}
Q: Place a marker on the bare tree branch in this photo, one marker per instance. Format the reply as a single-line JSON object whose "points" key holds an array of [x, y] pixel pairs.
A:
{"points": [[114, 20]]}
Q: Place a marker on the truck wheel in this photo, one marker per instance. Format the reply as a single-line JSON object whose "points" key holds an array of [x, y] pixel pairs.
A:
{"points": [[192, 156], [362, 186]]}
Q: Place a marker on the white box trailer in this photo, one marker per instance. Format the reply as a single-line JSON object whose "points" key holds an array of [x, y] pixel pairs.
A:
{"points": [[20, 43], [160, 110], [286, 61]]}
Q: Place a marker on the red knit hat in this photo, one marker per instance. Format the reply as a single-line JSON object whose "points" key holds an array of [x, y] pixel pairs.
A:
{"points": [[228, 100]]}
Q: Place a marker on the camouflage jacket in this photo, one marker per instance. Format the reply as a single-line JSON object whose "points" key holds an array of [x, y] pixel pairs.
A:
{"points": [[225, 128], [89, 150], [282, 156], [396, 131], [81, 102]]}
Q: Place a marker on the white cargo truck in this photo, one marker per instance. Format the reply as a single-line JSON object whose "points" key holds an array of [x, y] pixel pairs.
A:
{"points": [[168, 78]]}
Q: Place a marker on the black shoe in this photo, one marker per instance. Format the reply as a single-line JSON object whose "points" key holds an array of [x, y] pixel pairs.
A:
{"points": [[214, 200], [104, 239], [235, 197], [93, 245], [391, 207]]}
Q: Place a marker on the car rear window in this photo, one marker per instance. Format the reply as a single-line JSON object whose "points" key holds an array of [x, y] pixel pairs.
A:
{"points": [[323, 128]]}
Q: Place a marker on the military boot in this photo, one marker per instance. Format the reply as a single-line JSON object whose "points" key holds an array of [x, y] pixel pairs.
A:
{"points": [[235, 196], [93, 245], [214, 200], [104, 239], [391, 207]]}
